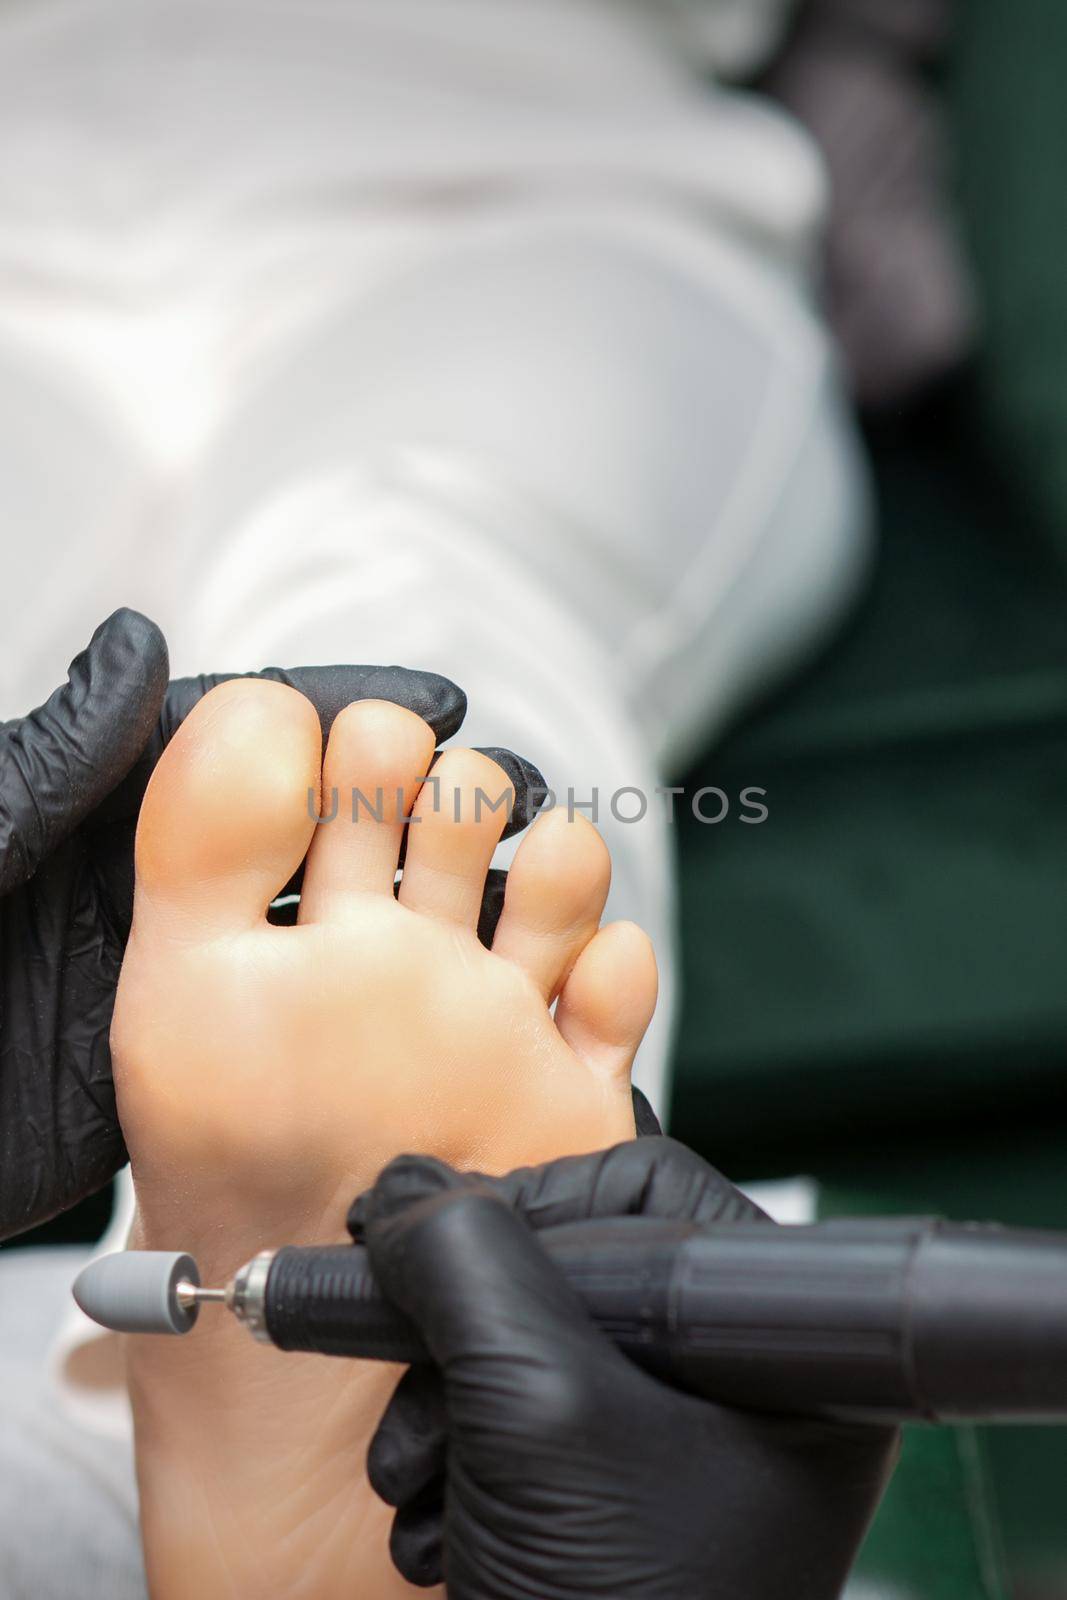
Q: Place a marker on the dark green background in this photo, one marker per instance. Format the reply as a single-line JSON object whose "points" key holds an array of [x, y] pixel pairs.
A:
{"points": [[876, 978]]}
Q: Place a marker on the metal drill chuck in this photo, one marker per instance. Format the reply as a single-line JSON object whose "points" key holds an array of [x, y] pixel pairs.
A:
{"points": [[246, 1294]]}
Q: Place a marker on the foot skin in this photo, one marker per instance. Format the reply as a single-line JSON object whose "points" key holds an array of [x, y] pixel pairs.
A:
{"points": [[265, 1075]]}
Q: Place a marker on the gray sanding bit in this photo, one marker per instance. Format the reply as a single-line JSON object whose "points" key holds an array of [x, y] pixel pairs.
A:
{"points": [[141, 1291], [159, 1291]]}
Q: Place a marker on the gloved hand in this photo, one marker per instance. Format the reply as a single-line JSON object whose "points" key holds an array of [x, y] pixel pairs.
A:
{"points": [[72, 776], [535, 1459]]}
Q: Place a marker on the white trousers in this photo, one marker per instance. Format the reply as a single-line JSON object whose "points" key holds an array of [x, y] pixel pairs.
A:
{"points": [[468, 335]]}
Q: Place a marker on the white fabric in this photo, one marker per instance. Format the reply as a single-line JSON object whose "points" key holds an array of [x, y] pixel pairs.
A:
{"points": [[84, 1363], [68, 1499], [468, 334], [734, 37]]}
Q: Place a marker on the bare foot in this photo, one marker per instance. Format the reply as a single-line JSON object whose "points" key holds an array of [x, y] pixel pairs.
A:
{"points": [[266, 1074]]}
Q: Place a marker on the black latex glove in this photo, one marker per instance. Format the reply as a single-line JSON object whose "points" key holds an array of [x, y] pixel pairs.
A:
{"points": [[72, 777], [535, 1460]]}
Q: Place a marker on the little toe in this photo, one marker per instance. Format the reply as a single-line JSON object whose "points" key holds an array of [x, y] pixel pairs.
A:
{"points": [[555, 897], [376, 760], [607, 1002], [229, 811], [455, 826]]}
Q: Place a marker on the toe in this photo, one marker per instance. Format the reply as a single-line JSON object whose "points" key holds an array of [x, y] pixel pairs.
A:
{"points": [[555, 897], [229, 811], [455, 827], [376, 760], [607, 1002]]}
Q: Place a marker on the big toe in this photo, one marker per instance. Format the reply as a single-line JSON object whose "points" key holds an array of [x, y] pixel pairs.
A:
{"points": [[231, 807]]}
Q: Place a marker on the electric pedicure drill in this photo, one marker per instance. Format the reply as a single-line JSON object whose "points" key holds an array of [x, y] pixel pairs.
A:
{"points": [[911, 1319]]}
